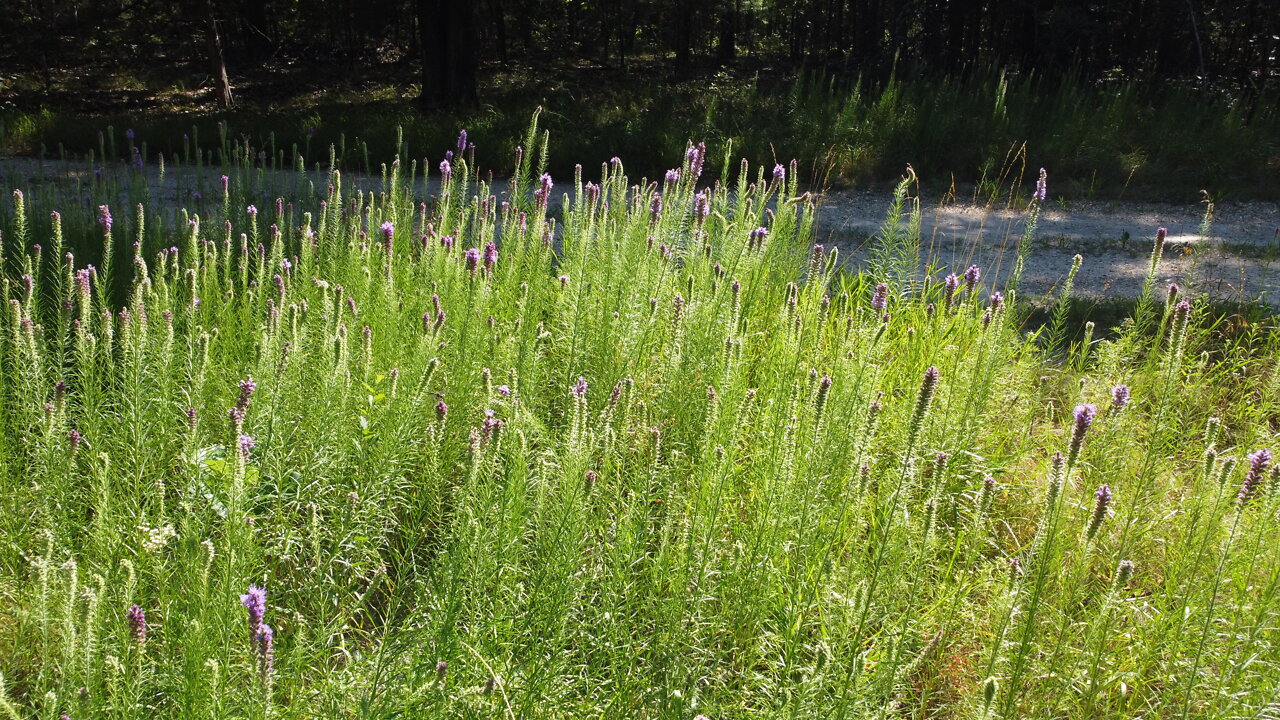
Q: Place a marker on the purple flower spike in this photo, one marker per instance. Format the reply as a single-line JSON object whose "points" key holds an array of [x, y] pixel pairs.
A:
{"points": [[473, 259], [580, 388], [442, 410], [951, 283], [996, 300], [247, 387], [137, 624], [972, 276], [880, 298], [1258, 462], [1041, 186], [264, 644], [104, 217], [504, 390], [696, 155], [446, 171], [1084, 415], [246, 445], [655, 208], [255, 603], [701, 207], [672, 177], [1101, 501], [388, 232], [490, 256], [252, 211], [779, 173], [1119, 397], [462, 142]]}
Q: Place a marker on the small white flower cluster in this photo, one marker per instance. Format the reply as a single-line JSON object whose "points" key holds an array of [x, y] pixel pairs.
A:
{"points": [[154, 539]]}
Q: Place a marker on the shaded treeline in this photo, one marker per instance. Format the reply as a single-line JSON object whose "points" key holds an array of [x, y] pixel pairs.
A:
{"points": [[1232, 42]]}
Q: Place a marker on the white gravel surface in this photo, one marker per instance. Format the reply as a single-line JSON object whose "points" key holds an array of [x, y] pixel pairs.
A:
{"points": [[1238, 258]]}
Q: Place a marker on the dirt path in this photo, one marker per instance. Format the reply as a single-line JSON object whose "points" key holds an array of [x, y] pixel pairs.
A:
{"points": [[1239, 257]]}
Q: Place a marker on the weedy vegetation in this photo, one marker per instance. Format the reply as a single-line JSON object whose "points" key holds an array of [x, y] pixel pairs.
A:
{"points": [[292, 443]]}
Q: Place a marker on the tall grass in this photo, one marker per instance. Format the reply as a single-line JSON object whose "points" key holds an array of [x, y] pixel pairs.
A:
{"points": [[302, 444]]}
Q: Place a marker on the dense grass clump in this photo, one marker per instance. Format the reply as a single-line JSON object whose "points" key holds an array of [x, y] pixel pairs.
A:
{"points": [[294, 446]]}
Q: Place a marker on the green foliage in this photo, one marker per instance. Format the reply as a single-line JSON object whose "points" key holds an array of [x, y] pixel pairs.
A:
{"points": [[634, 465]]}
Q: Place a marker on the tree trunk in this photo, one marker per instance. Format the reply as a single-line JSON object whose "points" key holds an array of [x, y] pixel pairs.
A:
{"points": [[727, 47], [219, 67], [448, 31]]}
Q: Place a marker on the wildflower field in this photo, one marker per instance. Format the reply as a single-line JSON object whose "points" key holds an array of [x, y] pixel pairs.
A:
{"points": [[286, 443]]}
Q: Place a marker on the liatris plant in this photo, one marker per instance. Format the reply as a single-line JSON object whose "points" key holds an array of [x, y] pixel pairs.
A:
{"points": [[1258, 462], [1083, 419], [1101, 502], [137, 624], [768, 479], [1119, 398]]}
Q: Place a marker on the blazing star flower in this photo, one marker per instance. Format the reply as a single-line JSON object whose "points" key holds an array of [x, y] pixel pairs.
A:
{"points": [[490, 424], [252, 211], [1101, 501], [255, 603], [580, 388], [1119, 397], [247, 387], [996, 299], [504, 390], [757, 237], [264, 645], [924, 399], [1041, 186], [880, 298], [696, 154], [1084, 415], [655, 208], [972, 276], [701, 207], [442, 410], [462, 142], [104, 217], [1258, 462], [388, 232], [74, 438], [137, 624], [246, 445], [490, 255], [779, 173], [473, 259], [673, 176]]}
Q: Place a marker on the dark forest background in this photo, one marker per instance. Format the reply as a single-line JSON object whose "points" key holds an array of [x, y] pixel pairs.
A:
{"points": [[806, 74]]}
